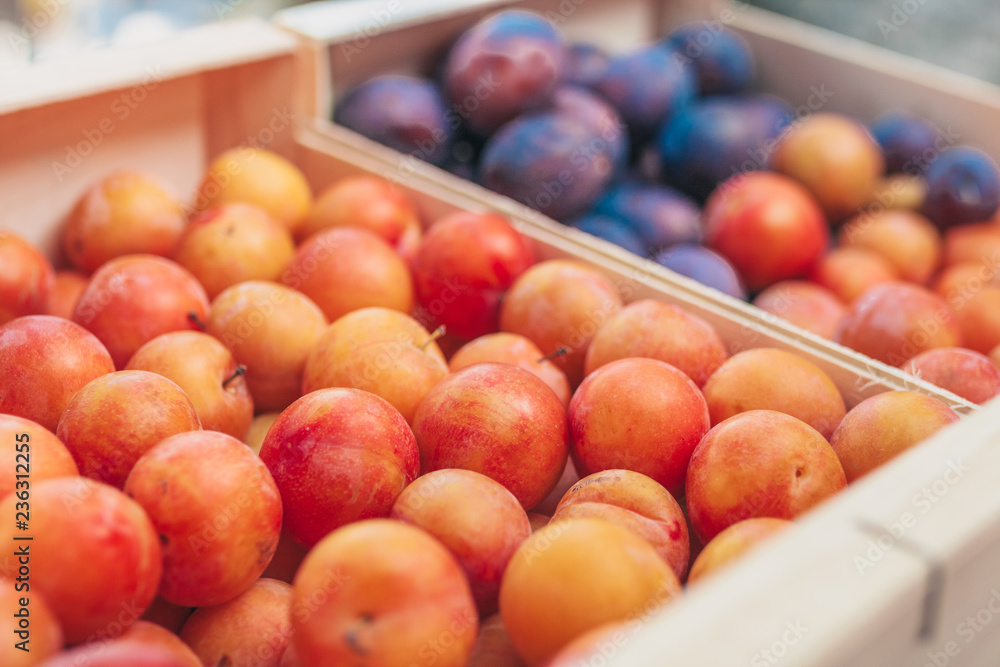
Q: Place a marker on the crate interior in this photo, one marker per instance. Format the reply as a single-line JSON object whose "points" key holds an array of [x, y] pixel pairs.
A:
{"points": [[794, 58], [166, 118]]}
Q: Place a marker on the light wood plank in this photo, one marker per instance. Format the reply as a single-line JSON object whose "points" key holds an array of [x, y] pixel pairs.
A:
{"points": [[212, 46]]}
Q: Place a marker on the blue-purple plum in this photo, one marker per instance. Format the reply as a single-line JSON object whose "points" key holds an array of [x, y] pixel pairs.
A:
{"points": [[549, 161], [963, 185], [587, 107], [404, 113], [721, 58], [584, 64], [647, 87], [660, 216], [717, 137], [705, 266], [611, 229], [906, 141], [506, 64]]}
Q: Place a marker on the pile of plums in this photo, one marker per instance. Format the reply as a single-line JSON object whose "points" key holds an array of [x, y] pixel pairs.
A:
{"points": [[879, 235], [250, 442]]}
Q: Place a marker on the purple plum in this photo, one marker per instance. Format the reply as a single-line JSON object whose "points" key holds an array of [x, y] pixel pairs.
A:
{"points": [[659, 216], [721, 58], [705, 266], [717, 137], [647, 87], [584, 64], [549, 161], [506, 64], [611, 229], [586, 106], [963, 185], [906, 140], [404, 113]]}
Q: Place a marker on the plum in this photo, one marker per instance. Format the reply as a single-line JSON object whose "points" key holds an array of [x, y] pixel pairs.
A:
{"points": [[963, 185], [584, 105], [767, 225], [713, 139], [895, 321], [647, 86], [907, 240], [404, 113], [905, 140], [549, 161], [721, 58], [705, 266], [27, 280], [584, 64], [659, 216], [805, 304], [611, 229], [964, 372], [835, 158], [515, 53]]}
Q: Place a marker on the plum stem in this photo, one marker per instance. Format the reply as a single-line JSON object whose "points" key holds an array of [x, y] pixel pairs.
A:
{"points": [[558, 353], [195, 320], [240, 370], [437, 333]]}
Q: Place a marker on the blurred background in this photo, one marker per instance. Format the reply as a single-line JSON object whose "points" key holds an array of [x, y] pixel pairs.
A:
{"points": [[958, 34], [42, 29], [963, 35]]}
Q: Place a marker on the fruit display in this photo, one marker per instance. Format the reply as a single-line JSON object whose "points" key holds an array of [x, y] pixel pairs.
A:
{"points": [[671, 150], [393, 438]]}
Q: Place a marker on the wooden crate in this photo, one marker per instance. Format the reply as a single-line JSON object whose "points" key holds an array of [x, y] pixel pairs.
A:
{"points": [[232, 84], [339, 50], [955, 540], [887, 604]]}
